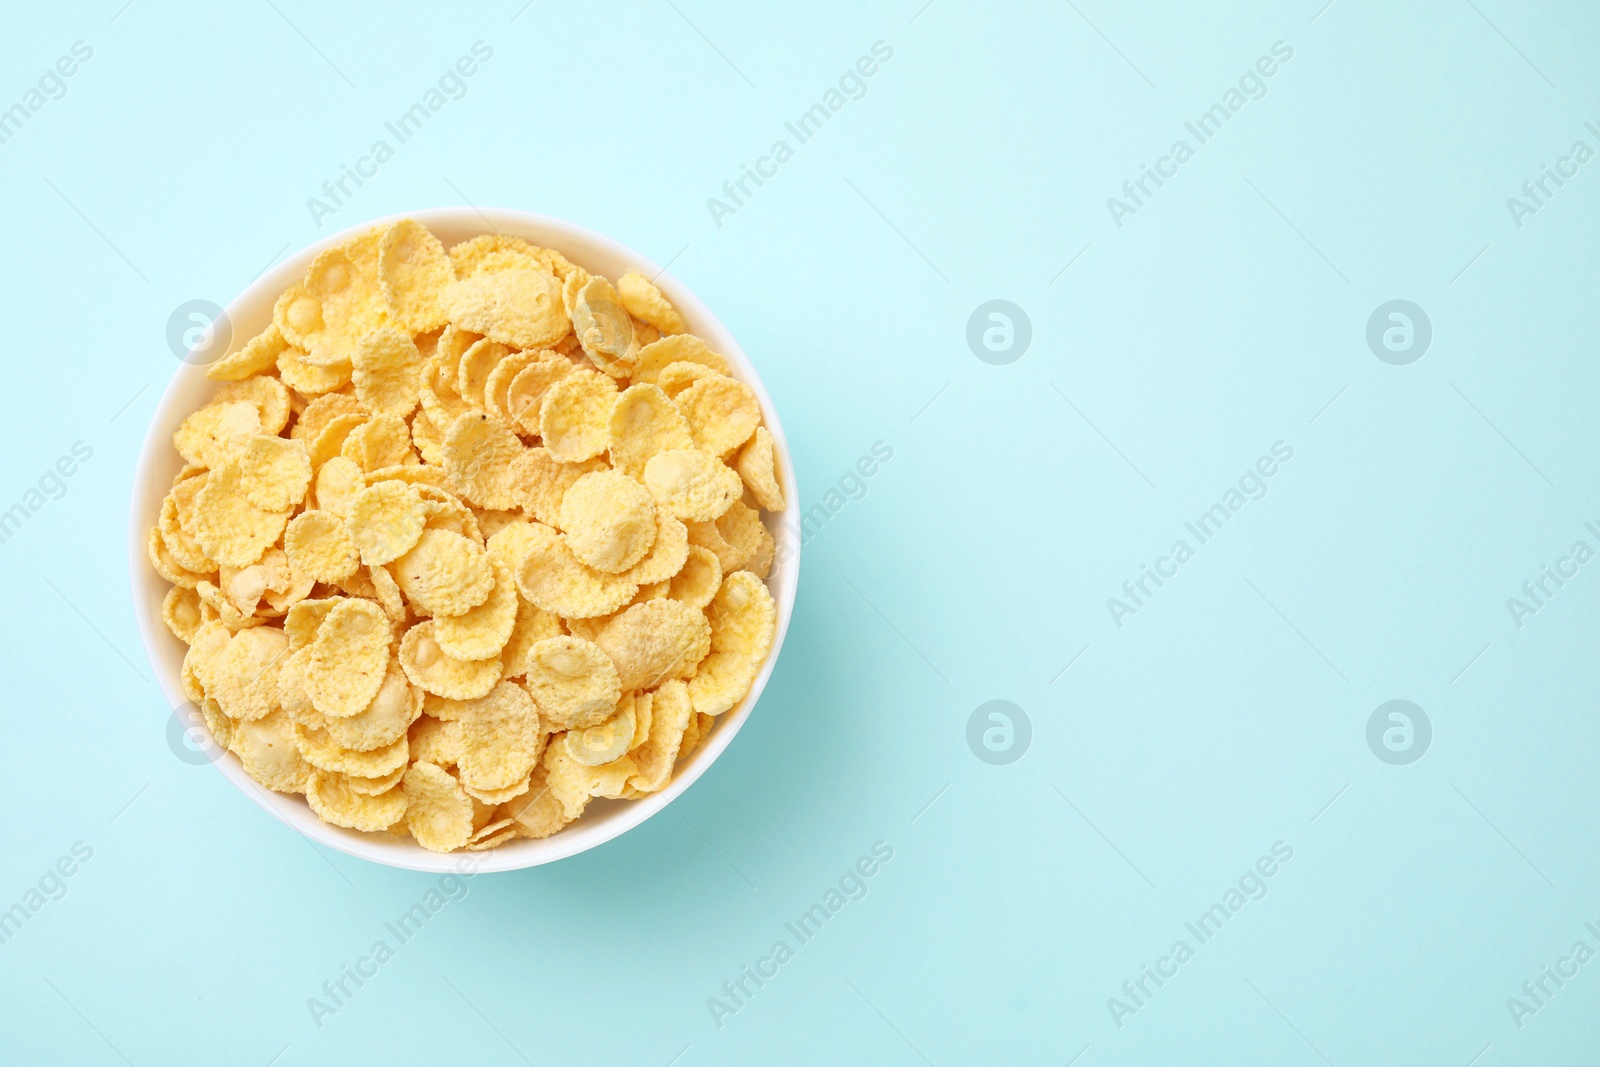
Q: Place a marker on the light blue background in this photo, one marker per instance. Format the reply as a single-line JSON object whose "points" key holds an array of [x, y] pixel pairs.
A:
{"points": [[1229, 713]]}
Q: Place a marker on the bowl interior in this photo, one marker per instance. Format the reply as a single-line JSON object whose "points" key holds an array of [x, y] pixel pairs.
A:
{"points": [[159, 463]]}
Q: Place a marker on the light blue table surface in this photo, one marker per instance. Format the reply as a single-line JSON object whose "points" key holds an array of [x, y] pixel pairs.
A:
{"points": [[1177, 741]]}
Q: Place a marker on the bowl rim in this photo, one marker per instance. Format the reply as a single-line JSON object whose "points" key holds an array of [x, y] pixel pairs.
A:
{"points": [[148, 587]]}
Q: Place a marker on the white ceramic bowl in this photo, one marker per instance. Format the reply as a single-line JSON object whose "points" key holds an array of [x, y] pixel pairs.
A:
{"points": [[251, 313]]}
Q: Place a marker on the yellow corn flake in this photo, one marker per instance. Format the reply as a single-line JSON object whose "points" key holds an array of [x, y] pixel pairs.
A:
{"points": [[309, 379], [537, 813], [211, 596], [272, 579], [655, 640], [500, 739], [319, 749], [445, 512], [217, 432], [575, 418], [517, 305], [177, 512], [491, 521], [644, 421], [480, 455], [427, 438], [604, 743], [349, 658], [556, 580], [496, 797], [609, 520], [692, 485], [382, 441], [413, 272], [497, 385], [541, 482], [388, 594], [644, 301], [267, 395], [667, 555], [436, 740], [373, 787], [481, 632], [386, 370], [227, 526], [416, 474], [169, 568], [472, 373], [256, 357], [494, 835], [670, 712], [741, 529], [304, 620], [525, 392], [332, 797], [180, 610], [310, 423], [573, 682], [533, 624], [743, 621], [603, 328], [327, 312], [757, 465], [276, 472], [382, 722], [329, 442], [267, 752], [722, 412], [765, 554], [678, 348], [292, 695], [487, 251], [445, 573], [430, 668], [573, 784], [220, 726], [385, 521], [438, 811], [676, 377], [338, 482]]}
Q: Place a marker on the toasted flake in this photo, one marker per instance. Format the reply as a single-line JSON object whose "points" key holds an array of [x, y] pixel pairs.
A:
{"points": [[382, 441], [481, 632], [609, 521], [524, 393], [349, 658], [217, 432], [385, 521], [338, 301], [310, 423], [386, 369], [537, 813], [497, 386], [384, 720], [257, 356], [338, 482], [678, 348], [500, 739], [541, 481], [667, 554], [757, 465], [438, 811], [676, 377], [472, 373], [741, 528], [227, 526], [432, 669], [436, 740], [243, 678], [573, 682], [414, 272], [603, 328], [722, 413], [743, 621], [267, 395], [180, 610], [332, 797], [480, 455], [309, 379], [517, 306], [427, 438], [276, 472], [445, 573], [329, 442], [644, 421], [267, 751], [670, 712], [575, 418], [556, 580], [177, 519], [644, 301], [691, 484], [655, 640], [372, 787], [604, 742]]}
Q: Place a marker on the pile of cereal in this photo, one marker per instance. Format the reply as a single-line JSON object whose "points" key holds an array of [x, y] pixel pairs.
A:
{"points": [[467, 538]]}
